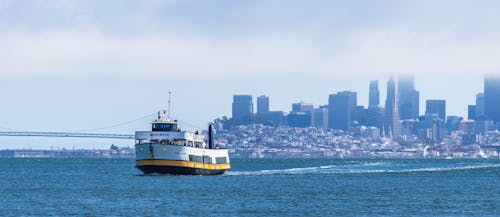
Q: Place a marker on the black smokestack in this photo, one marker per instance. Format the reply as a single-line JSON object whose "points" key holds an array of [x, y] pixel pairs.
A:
{"points": [[210, 137]]}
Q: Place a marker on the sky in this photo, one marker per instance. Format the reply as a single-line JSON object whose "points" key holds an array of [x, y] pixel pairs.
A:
{"points": [[76, 65]]}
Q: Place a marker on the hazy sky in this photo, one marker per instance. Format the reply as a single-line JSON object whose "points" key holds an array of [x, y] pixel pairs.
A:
{"points": [[86, 64]]}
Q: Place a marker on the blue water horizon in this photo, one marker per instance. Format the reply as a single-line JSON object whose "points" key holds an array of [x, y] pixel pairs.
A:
{"points": [[253, 187]]}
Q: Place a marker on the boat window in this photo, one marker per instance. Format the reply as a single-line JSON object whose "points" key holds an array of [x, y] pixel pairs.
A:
{"points": [[198, 144], [207, 159], [169, 127], [180, 142], [195, 158], [221, 160]]}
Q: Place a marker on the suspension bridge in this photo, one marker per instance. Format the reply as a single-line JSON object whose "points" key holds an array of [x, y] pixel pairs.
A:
{"points": [[67, 134], [124, 130]]}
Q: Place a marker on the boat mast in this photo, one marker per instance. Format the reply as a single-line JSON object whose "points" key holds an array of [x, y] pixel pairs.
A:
{"points": [[169, 104]]}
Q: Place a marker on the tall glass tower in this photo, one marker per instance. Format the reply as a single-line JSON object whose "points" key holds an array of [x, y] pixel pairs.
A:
{"points": [[392, 126], [374, 95], [492, 97], [408, 97]]}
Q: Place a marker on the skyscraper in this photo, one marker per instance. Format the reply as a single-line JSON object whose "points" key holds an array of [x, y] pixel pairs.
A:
{"points": [[374, 95], [306, 108], [262, 104], [242, 106], [492, 97], [321, 117], [302, 107], [480, 105], [408, 98], [471, 112], [340, 106], [392, 126], [436, 107]]}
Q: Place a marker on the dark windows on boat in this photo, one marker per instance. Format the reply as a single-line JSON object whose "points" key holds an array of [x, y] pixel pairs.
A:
{"points": [[207, 159], [200, 159], [195, 158], [221, 160], [169, 127]]}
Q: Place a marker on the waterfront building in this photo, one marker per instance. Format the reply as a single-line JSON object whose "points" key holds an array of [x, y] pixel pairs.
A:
{"points": [[492, 97], [392, 125], [436, 106], [340, 107], [409, 127], [408, 98], [262, 104], [437, 126], [242, 106], [372, 133], [470, 138]]}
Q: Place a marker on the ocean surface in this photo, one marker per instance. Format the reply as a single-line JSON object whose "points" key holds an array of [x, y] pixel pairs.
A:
{"points": [[254, 187]]}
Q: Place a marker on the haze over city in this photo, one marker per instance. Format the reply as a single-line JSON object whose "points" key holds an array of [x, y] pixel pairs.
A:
{"points": [[72, 65]]}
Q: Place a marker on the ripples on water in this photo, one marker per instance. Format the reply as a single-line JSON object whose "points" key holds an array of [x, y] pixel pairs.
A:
{"points": [[254, 187]]}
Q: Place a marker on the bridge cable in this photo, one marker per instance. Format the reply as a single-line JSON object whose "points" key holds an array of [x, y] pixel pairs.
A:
{"points": [[115, 125]]}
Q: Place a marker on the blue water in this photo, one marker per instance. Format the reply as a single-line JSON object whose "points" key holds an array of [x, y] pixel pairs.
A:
{"points": [[255, 187]]}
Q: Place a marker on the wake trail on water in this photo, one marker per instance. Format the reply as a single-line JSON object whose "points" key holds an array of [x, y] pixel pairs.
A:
{"points": [[375, 167]]}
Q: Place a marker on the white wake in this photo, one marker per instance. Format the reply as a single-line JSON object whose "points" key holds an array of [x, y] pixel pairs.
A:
{"points": [[374, 167]]}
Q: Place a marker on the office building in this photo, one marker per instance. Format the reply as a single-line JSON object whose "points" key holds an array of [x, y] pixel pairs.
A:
{"points": [[340, 106], [242, 106], [304, 107], [436, 125], [299, 119], [408, 98], [480, 105], [436, 107], [452, 122], [262, 104], [492, 97], [320, 118], [374, 95], [471, 112], [392, 126], [275, 118]]}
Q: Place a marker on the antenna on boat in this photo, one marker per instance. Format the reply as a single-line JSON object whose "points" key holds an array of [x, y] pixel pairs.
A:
{"points": [[169, 104]]}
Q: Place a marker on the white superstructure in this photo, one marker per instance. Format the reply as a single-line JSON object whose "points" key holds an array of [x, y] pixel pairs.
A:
{"points": [[167, 149]]}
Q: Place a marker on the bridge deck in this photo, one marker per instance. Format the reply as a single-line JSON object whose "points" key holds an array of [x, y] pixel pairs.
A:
{"points": [[64, 134]]}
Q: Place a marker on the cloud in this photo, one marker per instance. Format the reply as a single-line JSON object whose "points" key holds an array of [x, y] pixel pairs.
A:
{"points": [[219, 38]]}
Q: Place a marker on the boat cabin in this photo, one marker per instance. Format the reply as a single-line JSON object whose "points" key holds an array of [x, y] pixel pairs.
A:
{"points": [[165, 126]]}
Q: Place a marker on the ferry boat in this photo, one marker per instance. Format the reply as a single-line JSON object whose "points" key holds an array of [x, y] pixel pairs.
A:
{"points": [[168, 150]]}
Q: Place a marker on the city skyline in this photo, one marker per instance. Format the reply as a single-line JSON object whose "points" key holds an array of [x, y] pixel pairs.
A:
{"points": [[374, 97], [189, 122], [74, 65]]}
